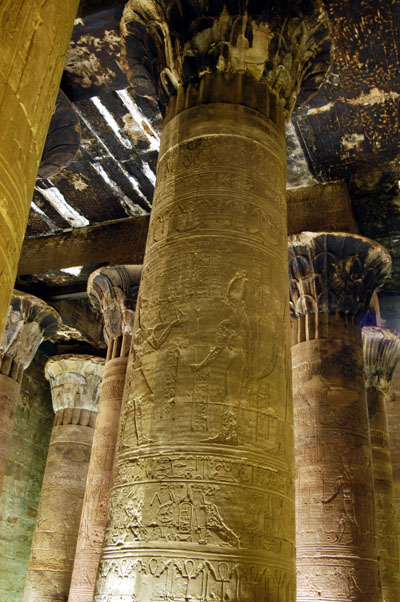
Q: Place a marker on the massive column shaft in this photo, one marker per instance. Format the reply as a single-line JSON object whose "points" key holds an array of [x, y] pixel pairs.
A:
{"points": [[29, 322], [113, 291], [202, 501], [381, 354], [332, 278], [34, 39], [75, 384], [392, 402]]}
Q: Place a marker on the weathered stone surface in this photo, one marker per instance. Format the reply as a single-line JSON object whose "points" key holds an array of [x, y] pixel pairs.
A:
{"points": [[334, 273], [23, 478], [29, 322], [63, 138], [332, 279], [284, 46], [113, 291], [393, 415], [320, 208], [208, 376], [57, 524], [35, 38], [381, 354], [208, 397]]}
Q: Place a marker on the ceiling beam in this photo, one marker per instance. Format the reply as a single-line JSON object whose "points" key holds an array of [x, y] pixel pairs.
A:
{"points": [[323, 207], [114, 242]]}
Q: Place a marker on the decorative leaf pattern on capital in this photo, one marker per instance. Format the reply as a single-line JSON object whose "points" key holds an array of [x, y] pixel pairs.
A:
{"points": [[113, 292], [172, 44], [29, 322], [334, 273], [381, 354], [75, 381]]}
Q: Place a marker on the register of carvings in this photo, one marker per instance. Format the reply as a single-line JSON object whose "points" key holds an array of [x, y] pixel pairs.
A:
{"points": [[75, 383], [332, 278], [202, 506], [29, 322], [381, 354], [113, 291]]}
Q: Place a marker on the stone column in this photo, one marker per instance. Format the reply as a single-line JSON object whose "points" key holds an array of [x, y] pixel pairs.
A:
{"points": [[332, 278], [202, 506], [75, 386], [393, 413], [29, 322], [381, 354], [34, 40], [113, 291]]}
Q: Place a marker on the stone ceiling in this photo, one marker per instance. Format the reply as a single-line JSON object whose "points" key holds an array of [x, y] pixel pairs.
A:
{"points": [[348, 131]]}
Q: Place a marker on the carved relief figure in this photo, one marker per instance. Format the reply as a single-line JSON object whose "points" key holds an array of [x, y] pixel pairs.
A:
{"points": [[232, 339], [345, 492]]}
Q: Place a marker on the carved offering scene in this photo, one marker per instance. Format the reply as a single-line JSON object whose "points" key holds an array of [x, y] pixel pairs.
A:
{"points": [[200, 301]]}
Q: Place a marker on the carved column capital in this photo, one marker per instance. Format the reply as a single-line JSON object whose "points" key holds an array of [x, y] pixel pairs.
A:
{"points": [[334, 273], [113, 292], [75, 381], [381, 353], [29, 322], [178, 45]]}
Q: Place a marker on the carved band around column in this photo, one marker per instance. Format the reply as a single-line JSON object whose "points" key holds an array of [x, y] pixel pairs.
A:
{"points": [[113, 291], [381, 354], [202, 500], [75, 383], [332, 278], [29, 322]]}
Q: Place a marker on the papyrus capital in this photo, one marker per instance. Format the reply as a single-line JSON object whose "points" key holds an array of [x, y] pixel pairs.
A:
{"points": [[113, 292], [29, 322], [381, 353], [75, 381], [335, 273], [283, 45]]}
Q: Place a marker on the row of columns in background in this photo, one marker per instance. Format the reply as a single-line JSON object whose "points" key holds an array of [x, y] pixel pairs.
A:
{"points": [[337, 480], [203, 495]]}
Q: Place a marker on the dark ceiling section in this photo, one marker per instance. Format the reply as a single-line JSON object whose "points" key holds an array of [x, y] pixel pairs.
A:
{"points": [[113, 174], [350, 129], [354, 119]]}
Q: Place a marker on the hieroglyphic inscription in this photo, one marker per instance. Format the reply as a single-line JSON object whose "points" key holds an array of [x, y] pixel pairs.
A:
{"points": [[199, 580], [203, 468], [334, 488]]}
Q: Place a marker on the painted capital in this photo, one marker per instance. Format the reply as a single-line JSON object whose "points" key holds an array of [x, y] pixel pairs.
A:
{"points": [[283, 45], [334, 273], [381, 354], [63, 138], [113, 292], [75, 381], [29, 322]]}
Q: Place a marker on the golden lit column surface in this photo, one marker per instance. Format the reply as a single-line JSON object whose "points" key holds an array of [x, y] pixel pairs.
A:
{"points": [[75, 386], [332, 278], [202, 505], [381, 354], [392, 402], [29, 322], [113, 292], [34, 39]]}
